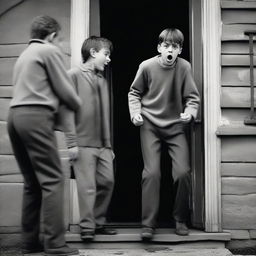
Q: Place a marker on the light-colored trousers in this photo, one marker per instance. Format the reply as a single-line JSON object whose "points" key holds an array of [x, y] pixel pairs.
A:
{"points": [[95, 182]]}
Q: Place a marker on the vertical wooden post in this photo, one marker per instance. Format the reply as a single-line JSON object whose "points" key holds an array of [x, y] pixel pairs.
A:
{"points": [[212, 83], [80, 20]]}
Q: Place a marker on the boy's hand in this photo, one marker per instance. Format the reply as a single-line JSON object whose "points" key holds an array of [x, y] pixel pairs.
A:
{"points": [[137, 120], [73, 153], [185, 117]]}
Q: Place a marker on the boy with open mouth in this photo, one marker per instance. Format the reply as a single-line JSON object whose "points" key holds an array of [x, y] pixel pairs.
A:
{"points": [[163, 100]]}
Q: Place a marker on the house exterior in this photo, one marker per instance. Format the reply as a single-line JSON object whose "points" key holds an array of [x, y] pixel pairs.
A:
{"points": [[223, 148]]}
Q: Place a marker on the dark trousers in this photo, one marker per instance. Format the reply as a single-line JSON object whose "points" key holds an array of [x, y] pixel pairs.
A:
{"points": [[175, 139], [95, 182], [34, 145]]}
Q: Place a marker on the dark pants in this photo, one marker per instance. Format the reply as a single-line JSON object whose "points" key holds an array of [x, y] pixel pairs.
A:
{"points": [[175, 139], [95, 182], [34, 144]]}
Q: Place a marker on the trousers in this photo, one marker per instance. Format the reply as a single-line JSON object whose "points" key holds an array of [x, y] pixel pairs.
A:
{"points": [[34, 145], [95, 182], [175, 139]]}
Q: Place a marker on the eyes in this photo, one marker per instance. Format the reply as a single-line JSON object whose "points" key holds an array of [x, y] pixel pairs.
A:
{"points": [[174, 45]]}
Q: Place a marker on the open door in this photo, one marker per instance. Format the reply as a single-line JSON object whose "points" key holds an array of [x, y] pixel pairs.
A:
{"points": [[133, 27]]}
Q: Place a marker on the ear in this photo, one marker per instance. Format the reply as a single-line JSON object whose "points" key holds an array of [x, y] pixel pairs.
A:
{"points": [[92, 52], [51, 37], [159, 48], [180, 51]]}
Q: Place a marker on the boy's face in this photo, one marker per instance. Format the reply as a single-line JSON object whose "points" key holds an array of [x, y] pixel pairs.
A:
{"points": [[101, 58], [169, 52]]}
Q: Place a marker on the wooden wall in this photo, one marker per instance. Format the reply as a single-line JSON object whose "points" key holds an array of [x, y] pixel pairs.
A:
{"points": [[15, 19], [238, 141]]}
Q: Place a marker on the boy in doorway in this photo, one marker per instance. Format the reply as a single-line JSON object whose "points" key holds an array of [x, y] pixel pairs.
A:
{"points": [[163, 99], [94, 167], [40, 84]]}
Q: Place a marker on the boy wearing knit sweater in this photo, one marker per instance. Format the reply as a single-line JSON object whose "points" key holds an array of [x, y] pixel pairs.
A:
{"points": [[163, 99], [41, 83], [94, 167]]}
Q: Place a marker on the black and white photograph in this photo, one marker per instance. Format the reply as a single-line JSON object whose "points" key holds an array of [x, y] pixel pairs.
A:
{"points": [[127, 127]]}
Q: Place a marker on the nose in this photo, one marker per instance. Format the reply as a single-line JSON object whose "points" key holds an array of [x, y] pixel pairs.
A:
{"points": [[170, 48]]}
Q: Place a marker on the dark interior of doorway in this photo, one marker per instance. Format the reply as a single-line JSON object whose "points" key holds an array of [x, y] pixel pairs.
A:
{"points": [[133, 27]]}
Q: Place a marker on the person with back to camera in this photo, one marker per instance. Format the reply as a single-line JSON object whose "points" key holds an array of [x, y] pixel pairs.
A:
{"points": [[41, 83], [94, 167], [163, 99]]}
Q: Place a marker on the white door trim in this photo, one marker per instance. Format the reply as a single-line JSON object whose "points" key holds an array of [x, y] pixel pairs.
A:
{"points": [[211, 32], [80, 21]]}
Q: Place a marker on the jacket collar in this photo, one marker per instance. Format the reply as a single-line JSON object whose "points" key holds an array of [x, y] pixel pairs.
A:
{"points": [[88, 67]]}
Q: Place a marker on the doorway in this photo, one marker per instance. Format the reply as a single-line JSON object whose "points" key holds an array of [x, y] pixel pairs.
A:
{"points": [[133, 27]]}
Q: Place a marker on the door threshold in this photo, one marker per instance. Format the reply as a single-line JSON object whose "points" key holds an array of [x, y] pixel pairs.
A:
{"points": [[162, 235]]}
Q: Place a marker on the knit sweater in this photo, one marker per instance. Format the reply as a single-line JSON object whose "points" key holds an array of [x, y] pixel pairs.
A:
{"points": [[40, 78], [161, 93], [92, 121]]}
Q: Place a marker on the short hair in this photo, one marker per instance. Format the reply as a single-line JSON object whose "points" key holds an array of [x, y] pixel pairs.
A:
{"points": [[42, 26], [171, 35], [96, 43]]}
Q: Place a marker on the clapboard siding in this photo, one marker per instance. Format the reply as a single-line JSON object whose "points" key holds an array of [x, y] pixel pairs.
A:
{"points": [[238, 185], [25, 12], [238, 141], [234, 115], [6, 68], [235, 47], [236, 76], [235, 97], [238, 170], [240, 5], [238, 211], [238, 149], [235, 31], [238, 16], [236, 60]]}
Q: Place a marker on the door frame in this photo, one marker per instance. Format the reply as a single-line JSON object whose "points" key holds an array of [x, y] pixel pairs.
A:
{"points": [[209, 32]]}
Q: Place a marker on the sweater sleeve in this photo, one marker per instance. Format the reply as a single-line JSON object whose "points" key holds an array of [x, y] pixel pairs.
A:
{"points": [[136, 91], [60, 80], [190, 94]]}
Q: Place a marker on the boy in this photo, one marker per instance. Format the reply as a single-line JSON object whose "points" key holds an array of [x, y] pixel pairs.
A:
{"points": [[94, 166], [163, 98], [40, 84]]}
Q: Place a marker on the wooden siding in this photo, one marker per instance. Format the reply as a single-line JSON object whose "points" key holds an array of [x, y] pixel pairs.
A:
{"points": [[18, 15], [238, 141]]}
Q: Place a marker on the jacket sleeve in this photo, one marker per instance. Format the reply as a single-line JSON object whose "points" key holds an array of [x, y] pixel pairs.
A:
{"points": [[135, 93], [60, 80], [190, 94]]}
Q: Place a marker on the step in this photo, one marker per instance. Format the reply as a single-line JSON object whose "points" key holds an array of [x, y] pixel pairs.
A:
{"points": [[163, 235]]}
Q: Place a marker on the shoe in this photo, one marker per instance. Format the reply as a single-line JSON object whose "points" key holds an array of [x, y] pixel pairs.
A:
{"points": [[147, 233], [61, 251], [87, 235], [33, 248], [105, 231], [181, 229]]}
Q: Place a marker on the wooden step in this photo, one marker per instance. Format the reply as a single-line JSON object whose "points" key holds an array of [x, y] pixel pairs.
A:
{"points": [[161, 235]]}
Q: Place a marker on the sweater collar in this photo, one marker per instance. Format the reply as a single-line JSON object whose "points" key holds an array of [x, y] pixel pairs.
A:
{"points": [[37, 41]]}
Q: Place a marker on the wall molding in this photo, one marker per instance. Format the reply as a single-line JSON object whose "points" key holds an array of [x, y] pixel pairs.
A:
{"points": [[211, 30]]}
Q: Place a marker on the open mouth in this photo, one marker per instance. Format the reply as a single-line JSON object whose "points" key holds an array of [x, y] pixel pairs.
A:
{"points": [[169, 57]]}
